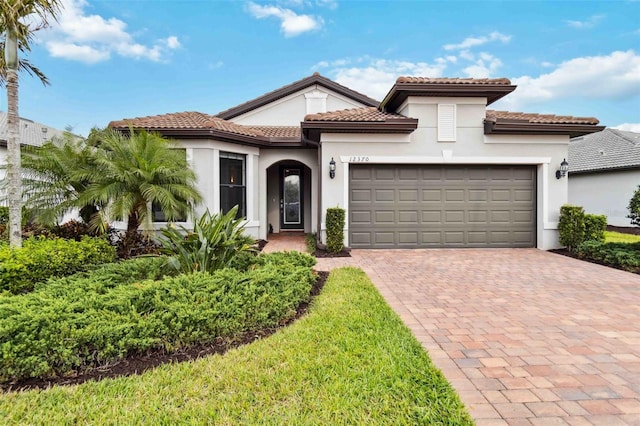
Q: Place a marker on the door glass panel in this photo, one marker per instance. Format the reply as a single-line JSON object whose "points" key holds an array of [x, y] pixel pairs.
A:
{"points": [[292, 197]]}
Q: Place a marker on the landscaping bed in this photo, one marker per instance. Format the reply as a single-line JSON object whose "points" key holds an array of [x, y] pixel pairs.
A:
{"points": [[89, 322], [350, 360]]}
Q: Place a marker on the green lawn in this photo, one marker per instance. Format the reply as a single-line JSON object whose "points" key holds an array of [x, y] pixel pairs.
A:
{"points": [[349, 361], [617, 237]]}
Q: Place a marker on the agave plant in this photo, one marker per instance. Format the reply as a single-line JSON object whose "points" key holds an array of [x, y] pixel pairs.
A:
{"points": [[214, 242]]}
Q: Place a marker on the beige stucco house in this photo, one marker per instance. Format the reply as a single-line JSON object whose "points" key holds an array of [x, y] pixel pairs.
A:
{"points": [[428, 166]]}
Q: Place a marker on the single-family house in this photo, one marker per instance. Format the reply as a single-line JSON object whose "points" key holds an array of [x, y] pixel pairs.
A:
{"points": [[604, 172], [31, 133], [428, 166]]}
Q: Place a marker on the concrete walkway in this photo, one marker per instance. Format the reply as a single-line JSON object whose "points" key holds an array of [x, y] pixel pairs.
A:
{"points": [[526, 337]]}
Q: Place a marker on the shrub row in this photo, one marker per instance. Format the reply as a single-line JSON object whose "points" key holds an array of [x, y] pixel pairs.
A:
{"points": [[335, 229], [82, 322], [41, 258], [621, 255], [576, 226]]}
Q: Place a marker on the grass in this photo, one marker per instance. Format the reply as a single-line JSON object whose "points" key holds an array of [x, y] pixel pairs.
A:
{"points": [[618, 237], [349, 361]]}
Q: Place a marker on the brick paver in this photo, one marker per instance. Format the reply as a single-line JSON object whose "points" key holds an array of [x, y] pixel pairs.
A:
{"points": [[525, 336]]}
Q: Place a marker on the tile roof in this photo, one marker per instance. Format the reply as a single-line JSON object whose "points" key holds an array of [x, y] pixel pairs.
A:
{"points": [[606, 150], [31, 132], [539, 118], [185, 120], [446, 80], [366, 114], [278, 131]]}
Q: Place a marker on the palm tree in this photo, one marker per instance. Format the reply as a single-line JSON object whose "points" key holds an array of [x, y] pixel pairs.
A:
{"points": [[132, 172], [54, 176], [18, 34]]}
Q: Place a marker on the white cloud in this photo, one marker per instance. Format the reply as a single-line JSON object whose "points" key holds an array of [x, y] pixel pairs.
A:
{"points": [[588, 23], [612, 77], [628, 127], [83, 37], [483, 67], [477, 41], [291, 23], [374, 77]]}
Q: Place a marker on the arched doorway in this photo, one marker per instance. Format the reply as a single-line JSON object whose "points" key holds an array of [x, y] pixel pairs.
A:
{"points": [[288, 197]]}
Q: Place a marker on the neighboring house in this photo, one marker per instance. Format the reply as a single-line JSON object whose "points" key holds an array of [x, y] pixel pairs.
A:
{"points": [[604, 172], [31, 133], [429, 166]]}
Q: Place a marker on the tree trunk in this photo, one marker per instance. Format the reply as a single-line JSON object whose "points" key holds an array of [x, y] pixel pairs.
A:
{"points": [[14, 173]]}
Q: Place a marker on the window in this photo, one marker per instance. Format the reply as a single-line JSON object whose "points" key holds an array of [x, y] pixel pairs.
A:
{"points": [[232, 183], [157, 214]]}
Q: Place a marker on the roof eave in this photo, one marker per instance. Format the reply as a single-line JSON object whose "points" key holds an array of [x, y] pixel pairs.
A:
{"points": [[405, 126], [604, 170], [401, 91], [526, 128]]}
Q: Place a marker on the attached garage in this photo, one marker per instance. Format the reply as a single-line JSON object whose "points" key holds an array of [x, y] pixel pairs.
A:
{"points": [[413, 206]]}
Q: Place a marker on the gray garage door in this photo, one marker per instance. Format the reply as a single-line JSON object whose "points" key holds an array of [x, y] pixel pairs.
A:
{"points": [[410, 206]]}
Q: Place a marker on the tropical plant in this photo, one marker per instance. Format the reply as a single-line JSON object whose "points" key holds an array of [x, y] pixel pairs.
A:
{"points": [[634, 207], [213, 244], [135, 170], [18, 33], [55, 174]]}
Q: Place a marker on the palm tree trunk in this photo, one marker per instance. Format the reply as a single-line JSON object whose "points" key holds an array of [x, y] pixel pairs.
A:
{"points": [[14, 174]]}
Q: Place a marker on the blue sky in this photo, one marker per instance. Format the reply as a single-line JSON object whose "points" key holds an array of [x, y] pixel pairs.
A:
{"points": [[109, 60]]}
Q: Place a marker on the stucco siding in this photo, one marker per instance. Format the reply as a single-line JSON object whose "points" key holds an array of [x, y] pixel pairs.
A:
{"points": [[606, 193], [290, 110]]}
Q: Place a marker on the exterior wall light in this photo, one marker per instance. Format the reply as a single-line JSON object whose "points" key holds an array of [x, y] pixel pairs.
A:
{"points": [[332, 168], [564, 167]]}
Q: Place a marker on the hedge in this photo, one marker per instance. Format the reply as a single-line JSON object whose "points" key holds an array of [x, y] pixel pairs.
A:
{"points": [[335, 229], [594, 227], [90, 320], [621, 255], [571, 226], [41, 258]]}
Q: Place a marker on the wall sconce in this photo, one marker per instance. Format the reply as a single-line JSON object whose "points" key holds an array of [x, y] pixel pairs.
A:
{"points": [[564, 167], [332, 168]]}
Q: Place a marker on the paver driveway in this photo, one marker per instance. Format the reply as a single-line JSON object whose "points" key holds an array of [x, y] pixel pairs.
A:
{"points": [[525, 336]]}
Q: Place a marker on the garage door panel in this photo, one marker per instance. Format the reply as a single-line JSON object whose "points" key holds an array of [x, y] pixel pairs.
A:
{"points": [[442, 206]]}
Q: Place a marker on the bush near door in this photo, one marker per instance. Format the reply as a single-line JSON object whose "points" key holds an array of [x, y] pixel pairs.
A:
{"points": [[335, 229]]}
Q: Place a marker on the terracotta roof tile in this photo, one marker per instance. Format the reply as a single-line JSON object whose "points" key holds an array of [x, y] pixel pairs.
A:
{"points": [[278, 131], [366, 114], [185, 120], [539, 118], [446, 80]]}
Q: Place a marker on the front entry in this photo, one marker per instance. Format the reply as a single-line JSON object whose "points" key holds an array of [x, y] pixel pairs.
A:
{"points": [[291, 196]]}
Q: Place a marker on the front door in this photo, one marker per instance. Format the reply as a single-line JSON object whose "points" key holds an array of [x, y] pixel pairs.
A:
{"points": [[291, 214]]}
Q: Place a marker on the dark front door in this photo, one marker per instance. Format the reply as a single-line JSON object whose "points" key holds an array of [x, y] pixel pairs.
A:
{"points": [[291, 214]]}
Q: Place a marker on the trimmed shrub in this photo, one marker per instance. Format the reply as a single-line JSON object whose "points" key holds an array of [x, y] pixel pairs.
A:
{"points": [[41, 258], [594, 227], [89, 320], [621, 255], [634, 207], [335, 229], [571, 226]]}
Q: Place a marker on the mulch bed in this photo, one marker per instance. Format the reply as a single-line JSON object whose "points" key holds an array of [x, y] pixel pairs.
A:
{"points": [[138, 364], [324, 253]]}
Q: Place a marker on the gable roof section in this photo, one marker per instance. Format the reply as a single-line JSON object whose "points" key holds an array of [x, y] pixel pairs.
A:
{"points": [[607, 150], [31, 132], [198, 125], [520, 123], [294, 87], [358, 120], [491, 88]]}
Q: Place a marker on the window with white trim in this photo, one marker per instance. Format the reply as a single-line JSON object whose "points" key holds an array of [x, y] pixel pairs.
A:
{"points": [[233, 191]]}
